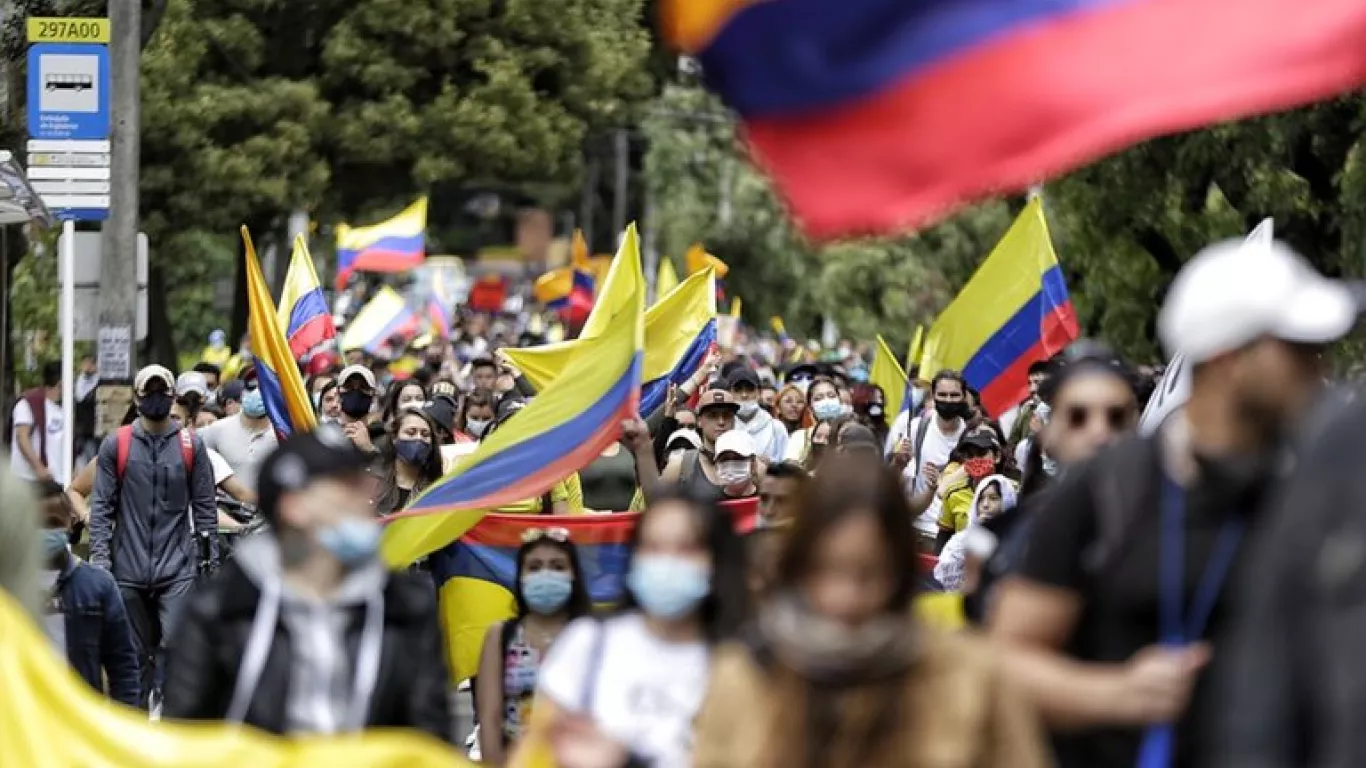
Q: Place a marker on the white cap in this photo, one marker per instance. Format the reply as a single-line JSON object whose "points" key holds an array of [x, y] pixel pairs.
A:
{"points": [[357, 370], [146, 375], [1235, 292], [737, 442], [192, 381], [688, 436]]}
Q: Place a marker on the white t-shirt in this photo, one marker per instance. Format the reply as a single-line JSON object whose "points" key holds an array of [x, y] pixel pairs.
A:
{"points": [[23, 416], [935, 451], [243, 449], [645, 691], [222, 470]]}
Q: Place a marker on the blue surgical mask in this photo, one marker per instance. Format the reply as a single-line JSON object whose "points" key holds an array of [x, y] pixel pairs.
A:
{"points": [[828, 409], [415, 452], [668, 587], [546, 592], [253, 405], [54, 542], [352, 542]]}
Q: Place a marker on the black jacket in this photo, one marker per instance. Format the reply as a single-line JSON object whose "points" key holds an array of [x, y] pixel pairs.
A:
{"points": [[206, 652]]}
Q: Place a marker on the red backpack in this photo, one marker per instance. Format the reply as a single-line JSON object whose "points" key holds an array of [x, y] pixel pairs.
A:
{"points": [[124, 438]]}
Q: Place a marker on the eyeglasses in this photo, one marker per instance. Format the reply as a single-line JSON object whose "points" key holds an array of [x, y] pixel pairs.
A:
{"points": [[1117, 417], [554, 534]]}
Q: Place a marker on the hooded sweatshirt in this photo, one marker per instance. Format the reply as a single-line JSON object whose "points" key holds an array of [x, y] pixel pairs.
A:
{"points": [[769, 436], [329, 692], [949, 571]]}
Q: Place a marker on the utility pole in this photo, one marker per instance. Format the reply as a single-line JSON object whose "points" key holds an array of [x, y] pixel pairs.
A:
{"points": [[118, 263], [623, 180]]}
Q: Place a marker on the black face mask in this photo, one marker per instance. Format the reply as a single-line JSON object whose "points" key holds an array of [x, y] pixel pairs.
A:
{"points": [[951, 411], [356, 403], [155, 405], [434, 364]]}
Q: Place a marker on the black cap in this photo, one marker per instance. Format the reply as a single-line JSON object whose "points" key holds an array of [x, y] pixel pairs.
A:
{"points": [[743, 377], [803, 370], [983, 440], [441, 409], [303, 458], [232, 391]]}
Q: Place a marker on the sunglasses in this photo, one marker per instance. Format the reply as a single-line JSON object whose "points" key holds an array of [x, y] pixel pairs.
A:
{"points": [[554, 534], [1117, 417]]}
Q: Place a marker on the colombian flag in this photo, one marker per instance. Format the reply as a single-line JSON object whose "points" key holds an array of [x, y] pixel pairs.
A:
{"points": [[679, 332], [397, 244], [562, 430], [385, 315], [878, 115], [282, 388], [1014, 310], [568, 291], [303, 309], [888, 374]]}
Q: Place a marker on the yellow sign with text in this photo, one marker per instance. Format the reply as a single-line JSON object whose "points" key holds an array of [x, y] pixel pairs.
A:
{"points": [[55, 30]]}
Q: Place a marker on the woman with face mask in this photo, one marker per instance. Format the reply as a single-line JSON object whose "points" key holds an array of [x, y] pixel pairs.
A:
{"points": [[837, 671], [411, 464], [476, 414], [822, 405], [628, 687], [549, 594]]}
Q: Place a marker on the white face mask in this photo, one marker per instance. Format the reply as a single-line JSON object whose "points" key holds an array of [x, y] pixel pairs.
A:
{"points": [[476, 427], [733, 473], [747, 410]]}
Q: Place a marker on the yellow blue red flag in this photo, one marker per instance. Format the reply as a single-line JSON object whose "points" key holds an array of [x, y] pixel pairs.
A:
{"points": [[563, 429], [396, 244], [303, 308], [282, 388], [1014, 311], [888, 374], [679, 332], [386, 315]]}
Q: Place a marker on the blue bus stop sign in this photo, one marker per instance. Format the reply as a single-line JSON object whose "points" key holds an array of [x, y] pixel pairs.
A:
{"points": [[68, 91]]}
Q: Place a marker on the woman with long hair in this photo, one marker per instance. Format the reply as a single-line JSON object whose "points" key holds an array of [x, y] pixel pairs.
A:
{"points": [[791, 412], [411, 461], [550, 592], [403, 395], [836, 670], [628, 687], [822, 405]]}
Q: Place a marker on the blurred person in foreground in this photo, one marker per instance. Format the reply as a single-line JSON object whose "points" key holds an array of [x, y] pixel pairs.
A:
{"points": [[836, 671], [84, 615], [305, 630], [1121, 593], [21, 550], [625, 690]]}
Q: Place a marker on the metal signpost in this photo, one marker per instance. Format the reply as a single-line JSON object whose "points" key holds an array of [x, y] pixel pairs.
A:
{"points": [[68, 128]]}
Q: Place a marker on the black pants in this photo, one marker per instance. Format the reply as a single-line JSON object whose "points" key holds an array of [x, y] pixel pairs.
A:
{"points": [[152, 614]]}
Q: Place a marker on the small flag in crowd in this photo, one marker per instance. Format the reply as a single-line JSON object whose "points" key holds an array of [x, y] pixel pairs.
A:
{"points": [[397, 244]]}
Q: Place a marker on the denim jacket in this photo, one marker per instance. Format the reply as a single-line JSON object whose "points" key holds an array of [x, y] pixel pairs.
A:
{"points": [[98, 636]]}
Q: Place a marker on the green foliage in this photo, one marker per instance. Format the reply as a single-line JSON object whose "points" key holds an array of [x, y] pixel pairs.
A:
{"points": [[1122, 227]]}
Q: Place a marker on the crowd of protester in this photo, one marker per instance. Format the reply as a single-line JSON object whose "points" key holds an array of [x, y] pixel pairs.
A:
{"points": [[1118, 586]]}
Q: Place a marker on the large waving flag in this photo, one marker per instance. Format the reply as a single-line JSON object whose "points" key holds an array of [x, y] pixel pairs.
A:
{"points": [[878, 115], [888, 374], [282, 388], [50, 717], [679, 332], [563, 429], [303, 308], [1014, 310], [397, 244], [386, 314]]}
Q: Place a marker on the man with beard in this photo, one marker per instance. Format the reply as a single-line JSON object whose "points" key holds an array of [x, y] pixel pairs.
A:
{"points": [[1109, 622]]}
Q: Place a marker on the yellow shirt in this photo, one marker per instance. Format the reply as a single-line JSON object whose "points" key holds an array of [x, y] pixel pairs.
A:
{"points": [[568, 490]]}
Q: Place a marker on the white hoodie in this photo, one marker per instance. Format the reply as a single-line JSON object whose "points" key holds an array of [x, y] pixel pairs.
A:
{"points": [[949, 571]]}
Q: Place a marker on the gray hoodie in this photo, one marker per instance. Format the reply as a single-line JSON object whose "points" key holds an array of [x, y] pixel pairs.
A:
{"points": [[329, 692]]}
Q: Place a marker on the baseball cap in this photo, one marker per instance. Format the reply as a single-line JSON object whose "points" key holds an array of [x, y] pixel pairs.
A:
{"points": [[1237, 291], [358, 370], [716, 398], [736, 442], [441, 409], [303, 458], [802, 371], [232, 391], [192, 382], [154, 373], [684, 435], [983, 440], [743, 376]]}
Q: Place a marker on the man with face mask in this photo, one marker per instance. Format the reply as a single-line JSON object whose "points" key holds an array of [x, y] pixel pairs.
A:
{"points": [[245, 439], [695, 470], [357, 384], [305, 630], [736, 468], [769, 436], [153, 504], [923, 446]]}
